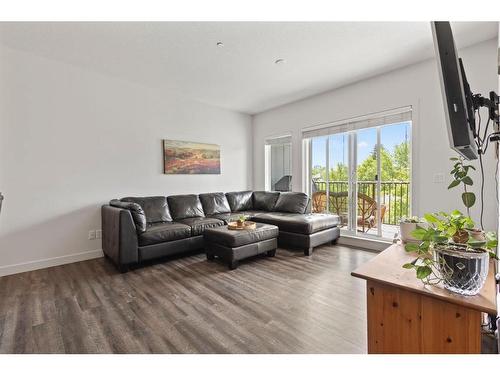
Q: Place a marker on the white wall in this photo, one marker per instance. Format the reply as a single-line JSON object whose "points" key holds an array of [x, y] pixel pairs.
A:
{"points": [[72, 139], [415, 85]]}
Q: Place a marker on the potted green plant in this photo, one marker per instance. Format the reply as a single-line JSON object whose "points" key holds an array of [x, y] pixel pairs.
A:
{"points": [[455, 224], [406, 226], [241, 221], [461, 266], [460, 174]]}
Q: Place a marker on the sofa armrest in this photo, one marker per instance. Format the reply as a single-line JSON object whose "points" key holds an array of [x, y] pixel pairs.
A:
{"points": [[308, 209], [119, 236], [136, 211]]}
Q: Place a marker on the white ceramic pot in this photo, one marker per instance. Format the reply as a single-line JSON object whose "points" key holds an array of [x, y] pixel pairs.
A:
{"points": [[476, 234], [405, 230]]}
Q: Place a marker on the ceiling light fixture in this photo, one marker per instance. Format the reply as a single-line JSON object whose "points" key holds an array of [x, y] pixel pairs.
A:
{"points": [[279, 61], [220, 44]]}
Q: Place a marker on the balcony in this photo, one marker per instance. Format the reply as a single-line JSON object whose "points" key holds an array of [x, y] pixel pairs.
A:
{"points": [[394, 203]]}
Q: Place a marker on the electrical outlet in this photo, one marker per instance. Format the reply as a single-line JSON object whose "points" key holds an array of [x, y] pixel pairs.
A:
{"points": [[91, 234], [98, 234]]}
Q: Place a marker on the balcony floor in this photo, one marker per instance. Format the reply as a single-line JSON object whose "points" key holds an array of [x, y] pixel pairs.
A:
{"points": [[388, 231]]}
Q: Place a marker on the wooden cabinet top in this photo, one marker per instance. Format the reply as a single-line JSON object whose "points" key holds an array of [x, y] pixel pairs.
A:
{"points": [[386, 268]]}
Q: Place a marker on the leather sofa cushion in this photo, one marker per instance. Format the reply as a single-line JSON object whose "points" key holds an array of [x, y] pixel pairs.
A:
{"points": [[137, 212], [164, 232], [236, 238], [233, 216], [155, 208], [214, 203], [184, 206], [240, 200], [292, 202], [199, 224], [265, 200], [299, 223]]}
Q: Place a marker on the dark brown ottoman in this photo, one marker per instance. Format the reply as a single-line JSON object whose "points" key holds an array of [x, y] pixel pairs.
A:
{"points": [[235, 245]]}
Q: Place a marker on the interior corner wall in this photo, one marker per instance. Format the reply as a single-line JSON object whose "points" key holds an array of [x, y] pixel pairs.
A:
{"points": [[72, 139], [417, 86]]}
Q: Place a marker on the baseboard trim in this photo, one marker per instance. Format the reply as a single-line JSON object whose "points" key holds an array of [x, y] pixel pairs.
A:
{"points": [[50, 262]]}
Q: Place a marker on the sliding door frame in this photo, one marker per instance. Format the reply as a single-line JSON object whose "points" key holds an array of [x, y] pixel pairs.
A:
{"points": [[352, 204], [352, 183], [378, 186], [350, 129]]}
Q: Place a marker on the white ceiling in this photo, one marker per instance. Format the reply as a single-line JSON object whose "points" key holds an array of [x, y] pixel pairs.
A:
{"points": [[242, 75]]}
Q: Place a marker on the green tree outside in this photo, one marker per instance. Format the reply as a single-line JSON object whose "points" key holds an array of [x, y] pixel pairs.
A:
{"points": [[395, 167]]}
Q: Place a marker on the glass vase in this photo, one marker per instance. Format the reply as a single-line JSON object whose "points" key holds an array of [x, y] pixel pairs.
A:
{"points": [[463, 270]]}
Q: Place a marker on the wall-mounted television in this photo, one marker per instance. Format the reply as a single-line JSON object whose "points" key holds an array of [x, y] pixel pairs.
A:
{"points": [[457, 97]]}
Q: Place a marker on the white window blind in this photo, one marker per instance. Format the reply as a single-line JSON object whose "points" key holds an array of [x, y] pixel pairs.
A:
{"points": [[376, 119], [279, 140]]}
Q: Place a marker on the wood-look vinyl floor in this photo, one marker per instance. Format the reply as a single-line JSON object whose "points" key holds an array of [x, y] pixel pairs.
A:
{"points": [[286, 304]]}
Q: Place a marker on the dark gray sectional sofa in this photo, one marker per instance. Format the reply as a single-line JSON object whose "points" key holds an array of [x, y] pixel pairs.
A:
{"points": [[137, 229]]}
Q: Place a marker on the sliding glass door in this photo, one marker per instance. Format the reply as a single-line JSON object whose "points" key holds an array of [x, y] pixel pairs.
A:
{"points": [[395, 181], [338, 157], [367, 157], [363, 175]]}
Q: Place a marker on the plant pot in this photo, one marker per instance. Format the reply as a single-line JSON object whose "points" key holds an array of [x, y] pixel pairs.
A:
{"points": [[463, 270], [405, 230], [462, 236], [476, 234], [240, 224]]}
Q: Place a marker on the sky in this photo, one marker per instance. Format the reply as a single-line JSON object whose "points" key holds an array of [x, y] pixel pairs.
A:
{"points": [[390, 136]]}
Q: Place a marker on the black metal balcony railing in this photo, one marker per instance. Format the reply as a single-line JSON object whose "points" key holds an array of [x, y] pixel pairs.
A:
{"points": [[394, 195]]}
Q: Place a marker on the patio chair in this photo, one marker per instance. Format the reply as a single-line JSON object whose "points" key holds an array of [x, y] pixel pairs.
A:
{"points": [[367, 210], [318, 197]]}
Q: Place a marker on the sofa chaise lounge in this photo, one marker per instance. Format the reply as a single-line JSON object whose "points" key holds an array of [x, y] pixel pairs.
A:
{"points": [[137, 229]]}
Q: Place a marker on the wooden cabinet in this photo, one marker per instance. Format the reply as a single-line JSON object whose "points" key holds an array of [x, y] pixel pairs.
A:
{"points": [[405, 316]]}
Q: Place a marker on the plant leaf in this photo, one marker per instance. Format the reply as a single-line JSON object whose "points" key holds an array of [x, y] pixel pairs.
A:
{"points": [[469, 199], [419, 233], [423, 272], [440, 239], [451, 231], [491, 244], [453, 184], [493, 255], [467, 180], [408, 266], [469, 223], [430, 218], [411, 247], [490, 236], [424, 246], [475, 244]]}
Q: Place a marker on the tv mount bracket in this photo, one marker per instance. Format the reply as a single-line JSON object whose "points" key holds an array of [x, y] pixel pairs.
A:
{"points": [[491, 103]]}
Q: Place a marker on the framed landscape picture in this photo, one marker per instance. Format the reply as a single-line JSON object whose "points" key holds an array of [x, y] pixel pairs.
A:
{"points": [[180, 157]]}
